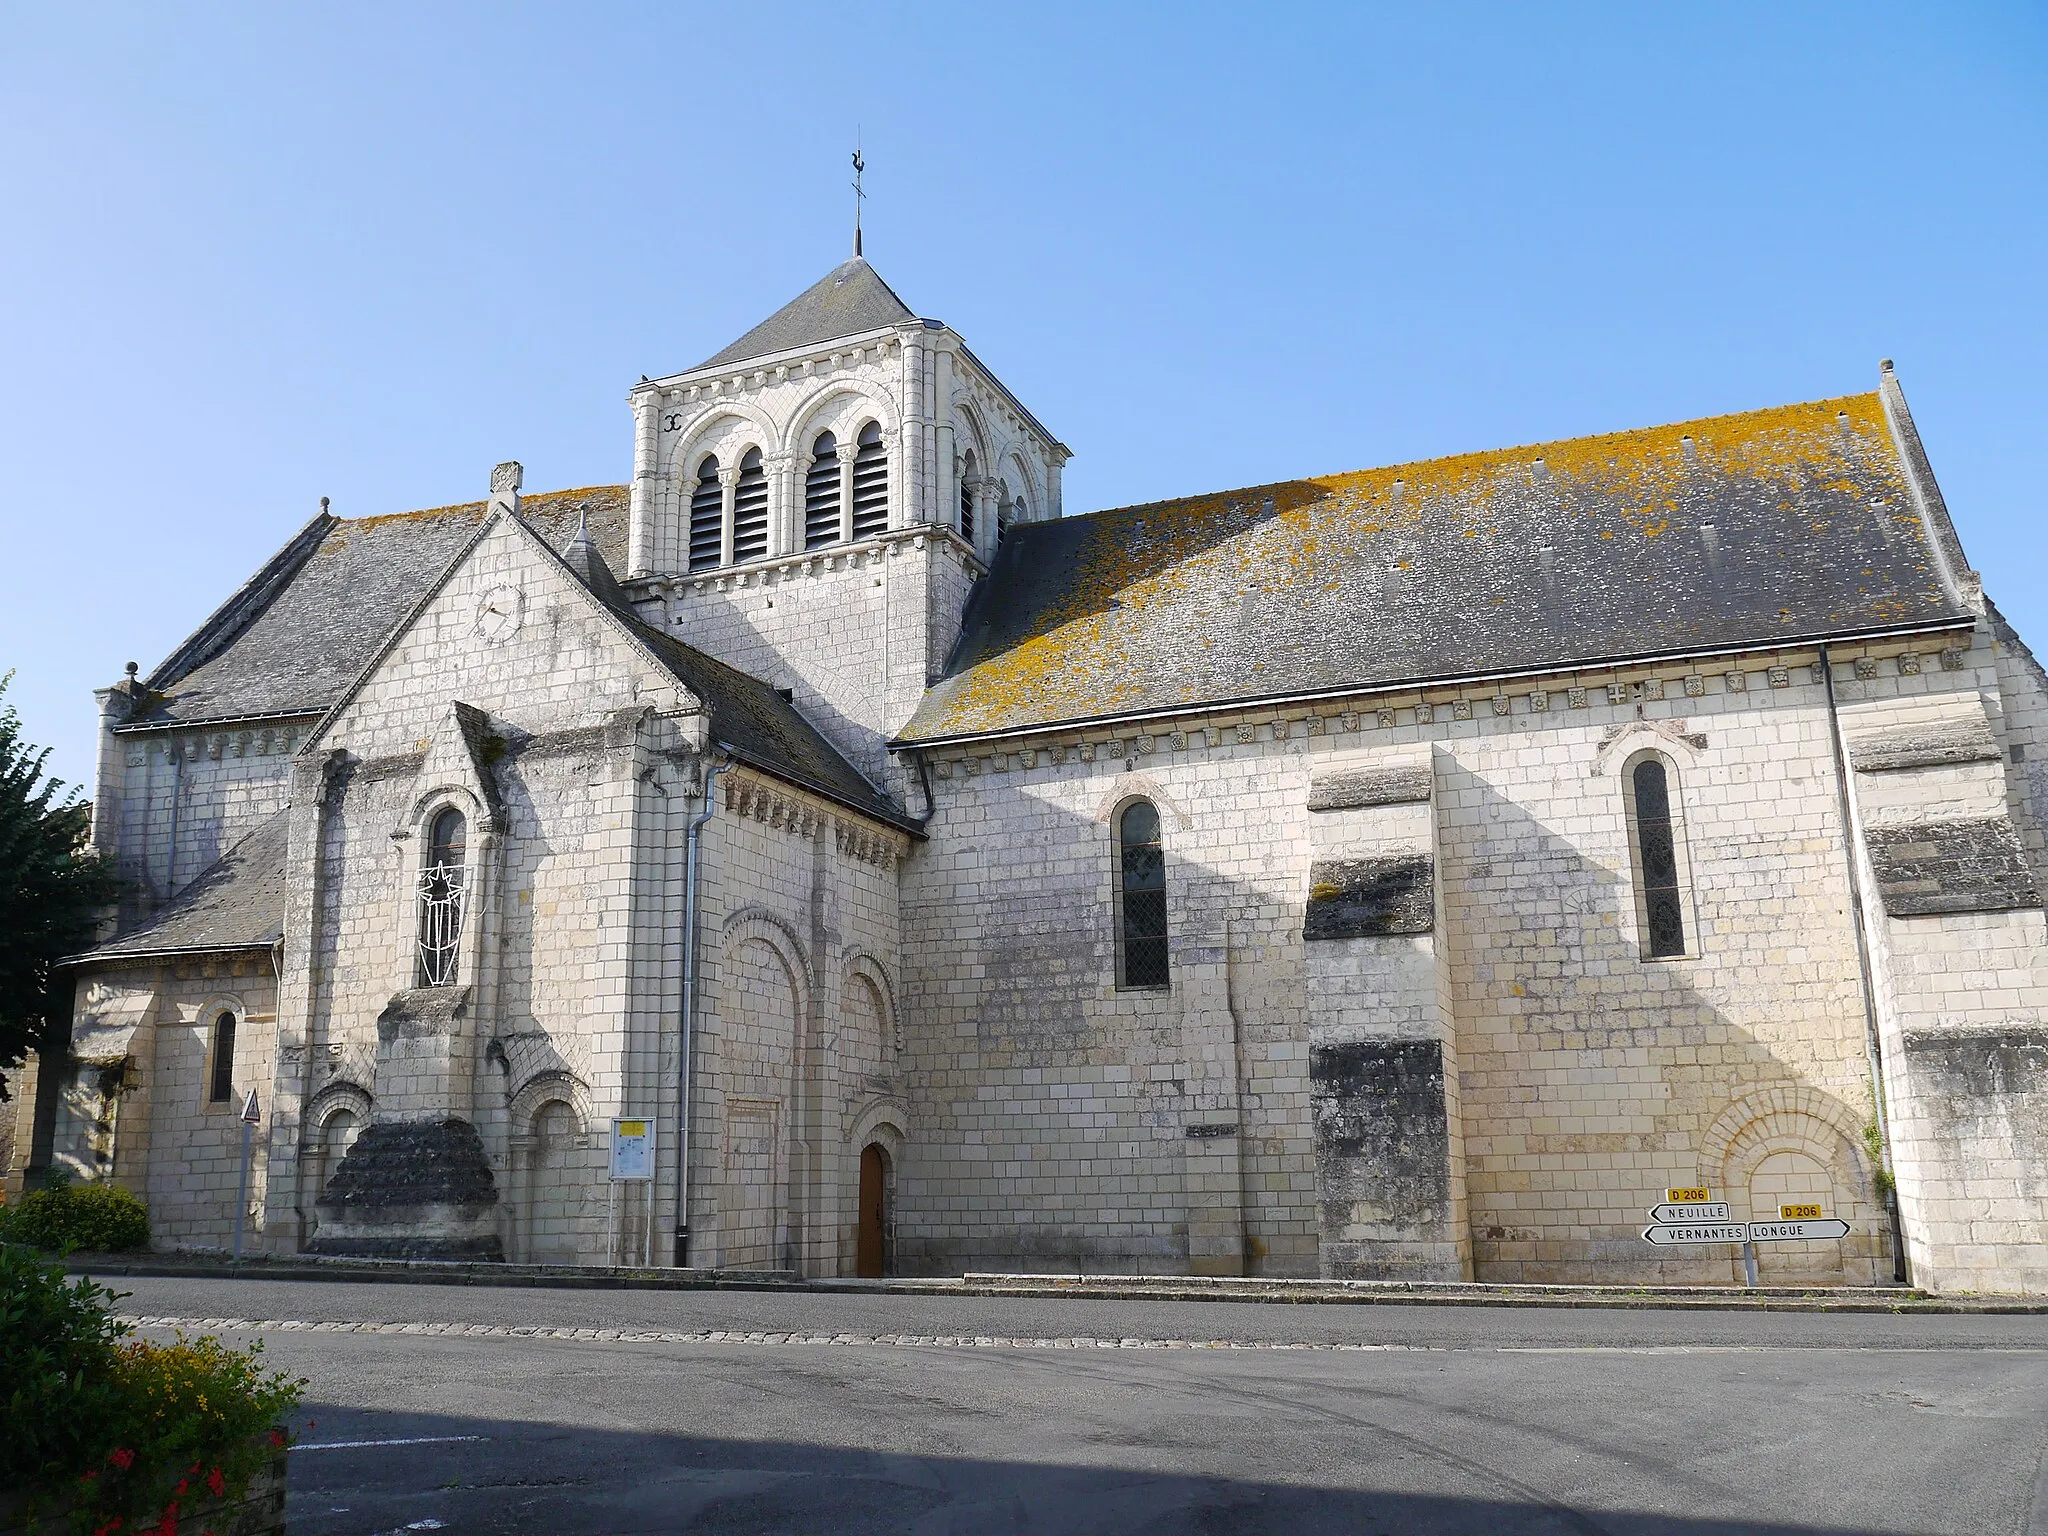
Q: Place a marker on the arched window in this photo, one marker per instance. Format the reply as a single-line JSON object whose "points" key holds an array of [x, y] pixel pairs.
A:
{"points": [[870, 484], [707, 515], [750, 509], [1141, 898], [220, 1084], [821, 493], [1005, 507], [1660, 902], [441, 887], [969, 481]]}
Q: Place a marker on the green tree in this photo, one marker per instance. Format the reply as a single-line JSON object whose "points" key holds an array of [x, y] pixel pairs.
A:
{"points": [[52, 888]]}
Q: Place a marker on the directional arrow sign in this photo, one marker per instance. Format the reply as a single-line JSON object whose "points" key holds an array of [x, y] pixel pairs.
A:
{"points": [[1796, 1231], [1698, 1232], [1698, 1210]]}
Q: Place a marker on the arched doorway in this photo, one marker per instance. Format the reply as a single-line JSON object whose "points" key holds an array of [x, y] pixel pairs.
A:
{"points": [[870, 1249]]}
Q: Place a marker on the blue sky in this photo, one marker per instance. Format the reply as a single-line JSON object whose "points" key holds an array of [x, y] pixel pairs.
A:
{"points": [[253, 256]]}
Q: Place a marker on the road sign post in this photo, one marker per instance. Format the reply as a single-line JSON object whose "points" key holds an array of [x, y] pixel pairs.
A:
{"points": [[251, 1115], [1691, 1217]]}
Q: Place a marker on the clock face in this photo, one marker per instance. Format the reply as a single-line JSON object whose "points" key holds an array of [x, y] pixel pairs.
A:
{"points": [[499, 611]]}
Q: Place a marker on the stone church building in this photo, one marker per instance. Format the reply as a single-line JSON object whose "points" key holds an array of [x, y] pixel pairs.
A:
{"points": [[1410, 873]]}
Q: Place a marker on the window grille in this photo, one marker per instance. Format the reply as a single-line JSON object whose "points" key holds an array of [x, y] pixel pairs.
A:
{"points": [[1004, 511], [821, 493], [870, 484], [1657, 861], [1141, 890], [707, 515], [967, 489], [441, 892], [750, 509], [220, 1088]]}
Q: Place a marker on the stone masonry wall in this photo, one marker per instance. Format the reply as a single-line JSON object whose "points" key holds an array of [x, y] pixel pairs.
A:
{"points": [[1051, 1106]]}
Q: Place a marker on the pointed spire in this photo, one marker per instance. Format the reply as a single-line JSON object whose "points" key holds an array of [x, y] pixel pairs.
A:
{"points": [[583, 558]]}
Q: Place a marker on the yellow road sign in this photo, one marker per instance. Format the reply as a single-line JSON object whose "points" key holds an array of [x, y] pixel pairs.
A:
{"points": [[1690, 1196], [1799, 1213]]}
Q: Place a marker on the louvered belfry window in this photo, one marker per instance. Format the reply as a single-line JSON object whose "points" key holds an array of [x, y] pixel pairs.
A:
{"points": [[1005, 509], [750, 509], [441, 892], [967, 488], [821, 493], [1657, 861], [870, 484], [1141, 898], [707, 515]]}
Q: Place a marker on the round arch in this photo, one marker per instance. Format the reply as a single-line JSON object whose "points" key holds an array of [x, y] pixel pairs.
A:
{"points": [[695, 439], [803, 422], [759, 925], [1790, 1117], [860, 964]]}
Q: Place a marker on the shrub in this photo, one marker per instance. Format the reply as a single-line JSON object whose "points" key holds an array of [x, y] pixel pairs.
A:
{"points": [[123, 1433], [97, 1217], [57, 1358]]}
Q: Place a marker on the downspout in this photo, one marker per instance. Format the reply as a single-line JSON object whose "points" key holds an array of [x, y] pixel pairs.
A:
{"points": [[1873, 1046], [177, 794], [691, 894]]}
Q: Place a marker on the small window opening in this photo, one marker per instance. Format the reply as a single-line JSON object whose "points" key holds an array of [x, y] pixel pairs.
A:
{"points": [[968, 485], [441, 888], [1141, 889], [1657, 860], [750, 509], [220, 1087], [870, 484], [707, 515], [821, 493]]}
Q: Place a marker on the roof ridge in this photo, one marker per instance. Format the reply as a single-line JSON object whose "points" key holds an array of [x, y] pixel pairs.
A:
{"points": [[1533, 448]]}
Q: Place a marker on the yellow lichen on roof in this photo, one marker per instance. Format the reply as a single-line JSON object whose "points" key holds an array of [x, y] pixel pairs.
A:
{"points": [[1265, 540]]}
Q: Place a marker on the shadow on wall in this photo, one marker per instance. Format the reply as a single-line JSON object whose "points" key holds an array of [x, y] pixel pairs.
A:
{"points": [[1580, 1104], [1646, 1069]]}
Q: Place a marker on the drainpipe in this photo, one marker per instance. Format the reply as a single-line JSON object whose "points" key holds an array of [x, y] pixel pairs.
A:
{"points": [[691, 894], [1873, 1045]]}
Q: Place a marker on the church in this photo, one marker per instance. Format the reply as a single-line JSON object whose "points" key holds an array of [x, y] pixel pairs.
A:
{"points": [[822, 854]]}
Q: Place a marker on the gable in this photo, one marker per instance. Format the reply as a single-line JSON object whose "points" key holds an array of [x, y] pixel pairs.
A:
{"points": [[509, 631], [312, 626]]}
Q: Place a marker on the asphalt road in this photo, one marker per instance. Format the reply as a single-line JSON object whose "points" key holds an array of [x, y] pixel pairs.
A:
{"points": [[1425, 1419]]}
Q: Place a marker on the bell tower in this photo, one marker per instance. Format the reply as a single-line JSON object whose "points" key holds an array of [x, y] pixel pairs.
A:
{"points": [[813, 503]]}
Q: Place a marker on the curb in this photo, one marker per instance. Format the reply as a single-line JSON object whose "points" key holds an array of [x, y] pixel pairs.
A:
{"points": [[1092, 1287]]}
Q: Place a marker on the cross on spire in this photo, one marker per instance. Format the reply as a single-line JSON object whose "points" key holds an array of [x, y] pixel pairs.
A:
{"points": [[859, 195]]}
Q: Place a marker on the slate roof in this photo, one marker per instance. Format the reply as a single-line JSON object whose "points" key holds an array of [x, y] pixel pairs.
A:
{"points": [[293, 639], [237, 902], [762, 728], [846, 301], [302, 631], [1761, 529]]}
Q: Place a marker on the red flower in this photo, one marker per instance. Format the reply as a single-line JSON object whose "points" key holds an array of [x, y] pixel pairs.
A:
{"points": [[122, 1457], [216, 1483], [277, 1438], [109, 1528]]}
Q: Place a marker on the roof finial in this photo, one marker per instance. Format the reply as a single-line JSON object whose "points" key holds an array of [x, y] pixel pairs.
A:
{"points": [[859, 165]]}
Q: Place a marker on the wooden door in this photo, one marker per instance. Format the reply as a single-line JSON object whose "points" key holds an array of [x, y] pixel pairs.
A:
{"points": [[874, 1168]]}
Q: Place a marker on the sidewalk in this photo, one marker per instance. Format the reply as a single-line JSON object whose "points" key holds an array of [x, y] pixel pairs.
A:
{"points": [[1097, 1287]]}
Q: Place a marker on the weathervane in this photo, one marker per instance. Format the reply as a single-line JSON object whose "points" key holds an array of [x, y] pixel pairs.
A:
{"points": [[859, 165]]}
